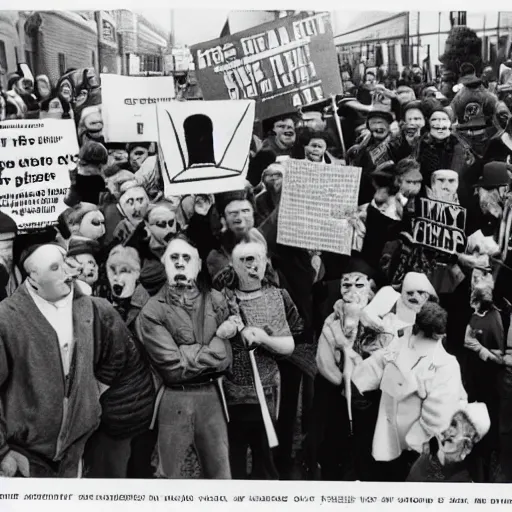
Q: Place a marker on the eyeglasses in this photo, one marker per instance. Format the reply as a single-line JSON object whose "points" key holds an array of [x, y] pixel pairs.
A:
{"points": [[162, 224]]}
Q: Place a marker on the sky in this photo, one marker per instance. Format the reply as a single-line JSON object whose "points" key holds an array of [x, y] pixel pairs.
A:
{"points": [[191, 26], [207, 23]]}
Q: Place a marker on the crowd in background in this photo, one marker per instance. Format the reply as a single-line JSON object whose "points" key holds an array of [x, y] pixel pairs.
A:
{"points": [[130, 331]]}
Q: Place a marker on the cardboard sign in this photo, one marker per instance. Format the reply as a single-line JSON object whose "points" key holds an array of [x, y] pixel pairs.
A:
{"points": [[285, 64], [205, 145], [128, 106], [316, 202], [35, 160], [440, 226]]}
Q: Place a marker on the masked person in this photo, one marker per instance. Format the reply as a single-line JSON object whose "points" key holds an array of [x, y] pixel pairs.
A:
{"points": [[281, 135], [268, 200], [42, 88], [421, 389], [413, 123], [236, 210], [150, 239], [341, 447], [86, 220], [90, 125], [373, 151], [133, 204], [441, 149], [271, 324], [117, 155], [84, 252], [87, 182], [394, 312], [445, 459], [138, 152], [66, 344], [179, 328]]}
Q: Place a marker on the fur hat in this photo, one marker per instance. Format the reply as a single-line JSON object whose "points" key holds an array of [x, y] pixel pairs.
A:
{"points": [[478, 415]]}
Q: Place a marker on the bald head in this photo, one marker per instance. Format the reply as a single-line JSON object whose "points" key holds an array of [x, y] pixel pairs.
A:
{"points": [[48, 272]]}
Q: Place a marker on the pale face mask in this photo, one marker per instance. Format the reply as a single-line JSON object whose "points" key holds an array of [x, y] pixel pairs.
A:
{"points": [[182, 263], [249, 262], [89, 268], [315, 150], [123, 279], [92, 225], [162, 224], [440, 125], [445, 186], [134, 203], [454, 441], [414, 297], [355, 288], [66, 91]]}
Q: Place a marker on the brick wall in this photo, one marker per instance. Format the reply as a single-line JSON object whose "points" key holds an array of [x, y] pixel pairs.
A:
{"points": [[58, 35]]}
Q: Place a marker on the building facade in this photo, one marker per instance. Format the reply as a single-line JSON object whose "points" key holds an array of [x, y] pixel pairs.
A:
{"points": [[142, 46], [414, 37]]}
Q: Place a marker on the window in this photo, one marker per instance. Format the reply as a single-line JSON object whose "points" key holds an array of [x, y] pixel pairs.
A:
{"points": [[93, 59], [62, 64], [457, 18], [3, 57]]}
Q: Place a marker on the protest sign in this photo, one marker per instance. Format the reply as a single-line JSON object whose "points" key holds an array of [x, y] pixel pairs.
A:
{"points": [[34, 170], [440, 226], [128, 106], [205, 145], [284, 64], [316, 202]]}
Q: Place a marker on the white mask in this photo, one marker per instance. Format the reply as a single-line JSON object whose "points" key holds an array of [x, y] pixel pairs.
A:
{"points": [[249, 262], [416, 290], [355, 288], [134, 204], [182, 263]]}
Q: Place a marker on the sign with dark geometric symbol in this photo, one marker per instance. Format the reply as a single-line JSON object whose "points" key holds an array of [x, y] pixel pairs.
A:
{"points": [[205, 145]]}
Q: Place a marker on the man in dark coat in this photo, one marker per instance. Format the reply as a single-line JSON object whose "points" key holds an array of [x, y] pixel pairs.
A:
{"points": [[69, 349]]}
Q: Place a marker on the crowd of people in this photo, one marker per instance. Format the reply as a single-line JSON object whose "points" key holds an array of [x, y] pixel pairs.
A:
{"points": [[144, 324]]}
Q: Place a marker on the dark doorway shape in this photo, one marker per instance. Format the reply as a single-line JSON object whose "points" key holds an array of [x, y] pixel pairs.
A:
{"points": [[199, 139]]}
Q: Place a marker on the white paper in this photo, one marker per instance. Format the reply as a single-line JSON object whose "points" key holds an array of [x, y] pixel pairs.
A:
{"points": [[35, 159], [224, 151], [128, 106]]}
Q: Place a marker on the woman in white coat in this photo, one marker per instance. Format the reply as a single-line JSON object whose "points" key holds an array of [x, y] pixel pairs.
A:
{"points": [[421, 389]]}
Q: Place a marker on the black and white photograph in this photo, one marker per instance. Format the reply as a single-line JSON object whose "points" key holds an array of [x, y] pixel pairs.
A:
{"points": [[256, 245]]}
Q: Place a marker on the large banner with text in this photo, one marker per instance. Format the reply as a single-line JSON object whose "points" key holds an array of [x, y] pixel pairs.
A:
{"points": [[34, 170], [288, 63]]}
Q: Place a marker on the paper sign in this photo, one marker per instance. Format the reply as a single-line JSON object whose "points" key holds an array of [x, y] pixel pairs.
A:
{"points": [[35, 160], [205, 145], [284, 64], [440, 226], [316, 201], [128, 106]]}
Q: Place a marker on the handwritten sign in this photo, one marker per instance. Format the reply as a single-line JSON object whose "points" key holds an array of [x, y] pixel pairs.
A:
{"points": [[128, 106], [440, 225], [316, 201], [288, 63], [35, 160], [205, 145]]}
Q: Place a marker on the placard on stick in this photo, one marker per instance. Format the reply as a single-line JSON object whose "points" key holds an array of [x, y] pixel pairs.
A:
{"points": [[128, 106], [35, 160], [440, 226], [205, 145], [316, 202]]}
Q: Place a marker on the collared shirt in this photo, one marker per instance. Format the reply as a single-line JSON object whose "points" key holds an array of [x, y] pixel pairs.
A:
{"points": [[60, 316]]}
